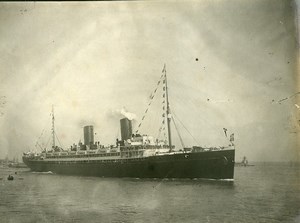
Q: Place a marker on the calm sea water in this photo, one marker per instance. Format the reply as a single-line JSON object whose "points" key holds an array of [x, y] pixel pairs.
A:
{"points": [[263, 193]]}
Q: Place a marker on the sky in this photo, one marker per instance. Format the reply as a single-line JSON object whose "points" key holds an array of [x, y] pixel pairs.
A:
{"points": [[229, 63]]}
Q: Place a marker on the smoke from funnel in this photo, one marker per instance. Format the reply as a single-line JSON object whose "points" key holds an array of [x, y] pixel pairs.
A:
{"points": [[127, 114], [123, 113]]}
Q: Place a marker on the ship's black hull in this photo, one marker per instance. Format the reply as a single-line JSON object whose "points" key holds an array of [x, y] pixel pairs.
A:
{"points": [[210, 164]]}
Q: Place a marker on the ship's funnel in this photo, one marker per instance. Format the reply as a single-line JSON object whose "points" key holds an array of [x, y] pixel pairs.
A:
{"points": [[126, 128], [88, 133]]}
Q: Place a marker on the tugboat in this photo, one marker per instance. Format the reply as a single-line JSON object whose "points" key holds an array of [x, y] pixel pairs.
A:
{"points": [[137, 155], [244, 162], [10, 177]]}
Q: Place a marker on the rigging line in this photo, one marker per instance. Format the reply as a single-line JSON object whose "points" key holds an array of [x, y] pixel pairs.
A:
{"points": [[207, 123], [58, 140], [43, 132], [181, 141], [185, 128], [39, 145], [293, 95], [48, 141], [40, 136]]}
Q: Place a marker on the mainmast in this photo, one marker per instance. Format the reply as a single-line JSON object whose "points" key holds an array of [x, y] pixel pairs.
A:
{"points": [[168, 111], [53, 129]]}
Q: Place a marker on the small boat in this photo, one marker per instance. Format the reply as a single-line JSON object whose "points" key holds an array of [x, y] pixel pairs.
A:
{"points": [[243, 163], [10, 177]]}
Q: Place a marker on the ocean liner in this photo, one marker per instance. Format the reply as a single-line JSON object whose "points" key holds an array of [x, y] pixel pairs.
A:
{"points": [[136, 155]]}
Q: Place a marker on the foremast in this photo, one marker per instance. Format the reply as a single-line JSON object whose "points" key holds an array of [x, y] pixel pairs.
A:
{"points": [[166, 112]]}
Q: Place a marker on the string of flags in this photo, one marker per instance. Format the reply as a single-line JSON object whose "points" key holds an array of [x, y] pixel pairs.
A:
{"points": [[163, 116], [164, 104], [152, 95], [162, 128]]}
